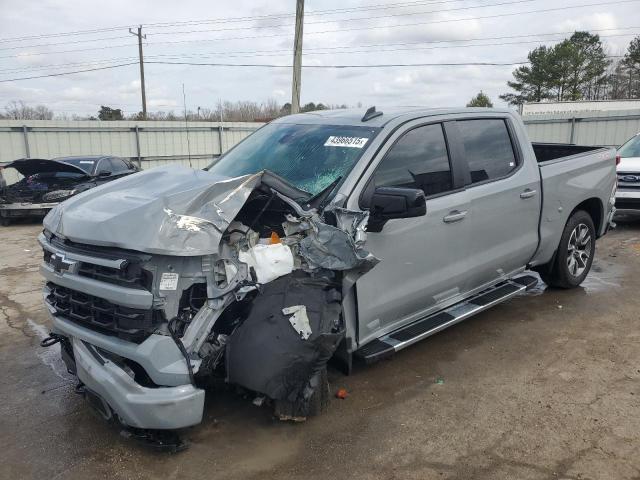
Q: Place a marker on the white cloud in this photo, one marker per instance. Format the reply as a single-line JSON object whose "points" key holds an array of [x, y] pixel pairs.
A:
{"points": [[430, 86]]}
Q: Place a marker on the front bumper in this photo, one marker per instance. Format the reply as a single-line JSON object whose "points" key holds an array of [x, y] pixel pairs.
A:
{"points": [[628, 199], [24, 209], [160, 407]]}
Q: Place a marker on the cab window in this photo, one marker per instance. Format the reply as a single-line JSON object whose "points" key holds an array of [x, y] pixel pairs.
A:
{"points": [[419, 159], [488, 148]]}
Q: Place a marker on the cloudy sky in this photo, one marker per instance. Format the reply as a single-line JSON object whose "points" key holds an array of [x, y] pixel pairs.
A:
{"points": [[35, 40]]}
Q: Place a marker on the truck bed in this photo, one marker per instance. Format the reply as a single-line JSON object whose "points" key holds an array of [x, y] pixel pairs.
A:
{"points": [[546, 152]]}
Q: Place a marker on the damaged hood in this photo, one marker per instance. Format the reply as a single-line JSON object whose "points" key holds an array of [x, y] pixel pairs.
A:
{"points": [[30, 166], [170, 210]]}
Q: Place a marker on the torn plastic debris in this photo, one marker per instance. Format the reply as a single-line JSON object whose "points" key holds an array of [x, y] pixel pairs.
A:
{"points": [[299, 320], [268, 261], [342, 393], [266, 355]]}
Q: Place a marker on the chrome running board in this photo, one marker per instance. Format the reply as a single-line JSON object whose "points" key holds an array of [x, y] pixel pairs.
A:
{"points": [[389, 344]]}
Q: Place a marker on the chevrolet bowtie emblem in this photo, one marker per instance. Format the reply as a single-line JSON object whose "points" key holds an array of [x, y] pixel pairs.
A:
{"points": [[59, 263]]}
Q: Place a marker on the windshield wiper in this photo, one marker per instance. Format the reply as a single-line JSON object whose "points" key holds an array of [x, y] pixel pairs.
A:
{"points": [[318, 199]]}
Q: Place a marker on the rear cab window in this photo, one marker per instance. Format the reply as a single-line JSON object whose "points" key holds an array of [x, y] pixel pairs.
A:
{"points": [[488, 148]]}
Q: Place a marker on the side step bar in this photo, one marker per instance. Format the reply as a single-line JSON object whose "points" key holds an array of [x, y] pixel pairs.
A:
{"points": [[387, 345]]}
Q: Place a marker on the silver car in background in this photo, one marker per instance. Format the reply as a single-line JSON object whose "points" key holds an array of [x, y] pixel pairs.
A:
{"points": [[628, 171]]}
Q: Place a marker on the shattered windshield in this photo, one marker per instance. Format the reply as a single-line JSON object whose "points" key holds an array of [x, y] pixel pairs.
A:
{"points": [[310, 157]]}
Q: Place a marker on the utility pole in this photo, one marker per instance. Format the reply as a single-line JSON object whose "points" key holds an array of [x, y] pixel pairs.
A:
{"points": [[297, 58], [144, 95]]}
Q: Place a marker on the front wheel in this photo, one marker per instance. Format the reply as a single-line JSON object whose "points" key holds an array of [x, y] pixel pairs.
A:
{"points": [[575, 252]]}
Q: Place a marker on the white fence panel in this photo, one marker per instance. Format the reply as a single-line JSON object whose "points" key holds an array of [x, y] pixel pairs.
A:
{"points": [[150, 144], [611, 128]]}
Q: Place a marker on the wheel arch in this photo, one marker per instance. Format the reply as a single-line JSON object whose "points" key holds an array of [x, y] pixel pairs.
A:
{"points": [[594, 207]]}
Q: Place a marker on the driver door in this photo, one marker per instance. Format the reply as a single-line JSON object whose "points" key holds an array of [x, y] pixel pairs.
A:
{"points": [[423, 263]]}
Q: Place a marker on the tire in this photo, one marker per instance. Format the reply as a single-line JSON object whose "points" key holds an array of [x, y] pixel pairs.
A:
{"points": [[575, 253], [4, 221]]}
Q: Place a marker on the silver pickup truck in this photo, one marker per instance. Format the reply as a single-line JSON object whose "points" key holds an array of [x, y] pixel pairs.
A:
{"points": [[327, 235]]}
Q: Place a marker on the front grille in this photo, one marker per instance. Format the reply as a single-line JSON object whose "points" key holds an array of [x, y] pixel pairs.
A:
{"points": [[130, 275], [101, 315], [628, 180]]}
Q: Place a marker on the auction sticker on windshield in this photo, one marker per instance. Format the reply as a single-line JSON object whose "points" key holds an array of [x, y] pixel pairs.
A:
{"points": [[351, 142]]}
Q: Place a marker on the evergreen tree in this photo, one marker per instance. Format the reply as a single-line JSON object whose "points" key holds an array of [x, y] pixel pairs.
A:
{"points": [[480, 100]]}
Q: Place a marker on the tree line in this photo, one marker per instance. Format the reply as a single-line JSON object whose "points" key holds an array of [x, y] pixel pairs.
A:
{"points": [[240, 111], [577, 68]]}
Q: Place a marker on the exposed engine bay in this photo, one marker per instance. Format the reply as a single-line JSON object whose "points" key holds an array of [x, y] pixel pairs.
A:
{"points": [[281, 321], [36, 188], [261, 310]]}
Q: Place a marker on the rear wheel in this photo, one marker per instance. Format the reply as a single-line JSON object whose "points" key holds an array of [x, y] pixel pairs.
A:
{"points": [[4, 221], [575, 253]]}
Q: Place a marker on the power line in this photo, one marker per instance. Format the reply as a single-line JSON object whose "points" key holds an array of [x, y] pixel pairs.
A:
{"points": [[378, 50], [379, 65], [354, 19], [69, 73], [231, 19], [86, 40], [329, 50], [333, 11], [263, 65], [393, 15], [374, 27], [92, 63], [371, 27]]}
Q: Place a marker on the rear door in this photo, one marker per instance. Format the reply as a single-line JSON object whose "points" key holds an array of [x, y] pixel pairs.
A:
{"points": [[505, 198], [424, 259]]}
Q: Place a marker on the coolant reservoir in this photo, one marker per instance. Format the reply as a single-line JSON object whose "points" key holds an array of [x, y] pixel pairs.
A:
{"points": [[268, 261]]}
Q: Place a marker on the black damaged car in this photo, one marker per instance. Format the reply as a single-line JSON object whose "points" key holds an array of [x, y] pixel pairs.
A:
{"points": [[49, 182]]}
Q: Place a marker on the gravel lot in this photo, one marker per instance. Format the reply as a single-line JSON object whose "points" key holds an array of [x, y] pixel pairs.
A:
{"points": [[546, 386]]}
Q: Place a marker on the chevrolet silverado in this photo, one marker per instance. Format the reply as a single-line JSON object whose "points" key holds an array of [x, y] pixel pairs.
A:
{"points": [[323, 235]]}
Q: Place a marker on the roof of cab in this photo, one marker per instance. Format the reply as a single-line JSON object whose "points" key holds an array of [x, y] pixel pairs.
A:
{"points": [[353, 116]]}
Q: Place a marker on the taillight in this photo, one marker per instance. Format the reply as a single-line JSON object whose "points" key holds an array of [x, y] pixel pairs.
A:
{"points": [[617, 160]]}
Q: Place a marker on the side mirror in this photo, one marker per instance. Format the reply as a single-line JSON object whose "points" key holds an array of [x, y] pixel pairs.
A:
{"points": [[391, 202], [104, 173]]}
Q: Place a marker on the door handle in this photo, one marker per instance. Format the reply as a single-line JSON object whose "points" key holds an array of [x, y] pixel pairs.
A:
{"points": [[528, 193], [455, 216]]}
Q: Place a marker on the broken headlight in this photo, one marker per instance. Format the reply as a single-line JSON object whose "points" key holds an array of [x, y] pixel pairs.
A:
{"points": [[58, 195]]}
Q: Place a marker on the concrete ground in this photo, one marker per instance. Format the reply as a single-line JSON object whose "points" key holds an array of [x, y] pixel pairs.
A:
{"points": [[546, 386]]}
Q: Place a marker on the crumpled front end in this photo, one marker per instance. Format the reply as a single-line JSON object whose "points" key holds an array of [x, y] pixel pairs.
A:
{"points": [[228, 280]]}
